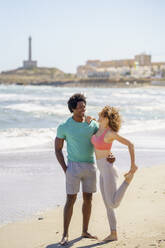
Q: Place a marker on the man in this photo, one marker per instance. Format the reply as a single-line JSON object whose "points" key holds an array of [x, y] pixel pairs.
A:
{"points": [[80, 167]]}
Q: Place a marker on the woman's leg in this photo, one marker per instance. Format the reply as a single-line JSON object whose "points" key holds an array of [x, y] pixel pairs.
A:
{"points": [[110, 211], [113, 195]]}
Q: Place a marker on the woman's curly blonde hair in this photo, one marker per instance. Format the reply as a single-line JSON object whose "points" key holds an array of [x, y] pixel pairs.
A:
{"points": [[114, 117]]}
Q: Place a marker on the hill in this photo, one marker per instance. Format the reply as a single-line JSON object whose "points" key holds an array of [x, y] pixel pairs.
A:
{"points": [[35, 76]]}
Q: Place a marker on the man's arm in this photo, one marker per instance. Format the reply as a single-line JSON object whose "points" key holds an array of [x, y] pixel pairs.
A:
{"points": [[59, 154]]}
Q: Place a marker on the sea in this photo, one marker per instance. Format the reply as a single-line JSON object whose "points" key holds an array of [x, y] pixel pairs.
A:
{"points": [[31, 179]]}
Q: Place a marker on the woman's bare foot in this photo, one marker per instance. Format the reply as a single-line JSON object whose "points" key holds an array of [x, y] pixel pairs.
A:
{"points": [[64, 240], [128, 177], [134, 169], [111, 237], [88, 236]]}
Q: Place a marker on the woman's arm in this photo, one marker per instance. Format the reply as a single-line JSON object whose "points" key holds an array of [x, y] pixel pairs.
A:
{"points": [[122, 140]]}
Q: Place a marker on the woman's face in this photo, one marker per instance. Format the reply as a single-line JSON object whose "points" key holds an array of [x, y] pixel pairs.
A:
{"points": [[103, 120]]}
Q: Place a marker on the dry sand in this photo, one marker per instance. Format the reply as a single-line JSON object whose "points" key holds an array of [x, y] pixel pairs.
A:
{"points": [[141, 219]]}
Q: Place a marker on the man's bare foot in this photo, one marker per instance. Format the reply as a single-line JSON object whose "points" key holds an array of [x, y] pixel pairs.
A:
{"points": [[128, 177], [111, 237], [88, 236], [64, 240]]}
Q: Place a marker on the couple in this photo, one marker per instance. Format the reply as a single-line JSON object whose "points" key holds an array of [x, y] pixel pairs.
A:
{"points": [[82, 135]]}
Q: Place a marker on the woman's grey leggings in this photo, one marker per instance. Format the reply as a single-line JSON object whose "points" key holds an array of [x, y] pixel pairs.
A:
{"points": [[108, 186]]}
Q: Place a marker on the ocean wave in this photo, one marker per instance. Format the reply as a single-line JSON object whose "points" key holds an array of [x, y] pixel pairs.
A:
{"points": [[16, 138], [39, 108], [30, 115]]}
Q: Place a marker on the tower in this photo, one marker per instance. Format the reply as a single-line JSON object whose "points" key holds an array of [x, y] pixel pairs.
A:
{"points": [[29, 64], [30, 48]]}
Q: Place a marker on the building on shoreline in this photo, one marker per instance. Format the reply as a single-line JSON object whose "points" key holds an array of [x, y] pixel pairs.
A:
{"points": [[139, 67], [29, 64]]}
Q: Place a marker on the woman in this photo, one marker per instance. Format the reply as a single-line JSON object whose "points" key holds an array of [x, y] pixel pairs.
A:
{"points": [[109, 125]]}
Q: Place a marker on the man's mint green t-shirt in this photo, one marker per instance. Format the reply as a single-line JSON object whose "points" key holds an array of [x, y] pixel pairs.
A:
{"points": [[78, 139]]}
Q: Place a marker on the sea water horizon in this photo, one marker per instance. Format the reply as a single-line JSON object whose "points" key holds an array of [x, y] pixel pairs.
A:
{"points": [[31, 179]]}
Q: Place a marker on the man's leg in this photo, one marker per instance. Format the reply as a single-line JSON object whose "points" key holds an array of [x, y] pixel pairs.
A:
{"points": [[86, 210], [68, 210]]}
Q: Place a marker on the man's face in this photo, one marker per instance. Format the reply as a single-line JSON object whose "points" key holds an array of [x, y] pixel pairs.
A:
{"points": [[80, 109]]}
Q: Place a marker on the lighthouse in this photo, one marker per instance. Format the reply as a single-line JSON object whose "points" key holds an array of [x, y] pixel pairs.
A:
{"points": [[29, 64]]}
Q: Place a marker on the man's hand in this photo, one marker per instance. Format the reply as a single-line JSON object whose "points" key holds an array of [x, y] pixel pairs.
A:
{"points": [[111, 158], [88, 119]]}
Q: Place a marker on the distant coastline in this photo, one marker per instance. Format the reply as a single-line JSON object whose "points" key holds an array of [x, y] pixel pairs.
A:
{"points": [[54, 77]]}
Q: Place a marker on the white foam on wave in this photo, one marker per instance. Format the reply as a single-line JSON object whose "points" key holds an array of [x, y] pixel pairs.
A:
{"points": [[157, 107], [139, 125], [37, 108], [12, 139], [25, 97]]}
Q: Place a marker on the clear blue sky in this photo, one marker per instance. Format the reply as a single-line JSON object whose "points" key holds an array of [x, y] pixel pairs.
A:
{"points": [[66, 33]]}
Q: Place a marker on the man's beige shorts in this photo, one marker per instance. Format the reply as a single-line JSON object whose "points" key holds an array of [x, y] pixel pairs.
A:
{"points": [[80, 172]]}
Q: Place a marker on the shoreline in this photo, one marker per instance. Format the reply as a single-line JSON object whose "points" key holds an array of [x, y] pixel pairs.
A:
{"points": [[90, 85], [104, 83], [142, 229]]}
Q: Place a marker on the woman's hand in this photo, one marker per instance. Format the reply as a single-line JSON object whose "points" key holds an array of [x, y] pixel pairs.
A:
{"points": [[132, 170]]}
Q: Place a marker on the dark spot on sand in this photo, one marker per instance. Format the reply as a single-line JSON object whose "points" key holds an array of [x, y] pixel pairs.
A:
{"points": [[40, 218]]}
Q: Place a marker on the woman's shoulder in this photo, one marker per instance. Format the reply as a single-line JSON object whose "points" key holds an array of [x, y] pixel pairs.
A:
{"points": [[110, 133]]}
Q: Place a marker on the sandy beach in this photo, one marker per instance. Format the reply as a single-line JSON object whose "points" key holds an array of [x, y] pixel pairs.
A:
{"points": [[141, 219]]}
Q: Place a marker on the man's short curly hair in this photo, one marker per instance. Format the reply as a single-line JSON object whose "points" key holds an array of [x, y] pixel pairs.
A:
{"points": [[73, 100]]}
